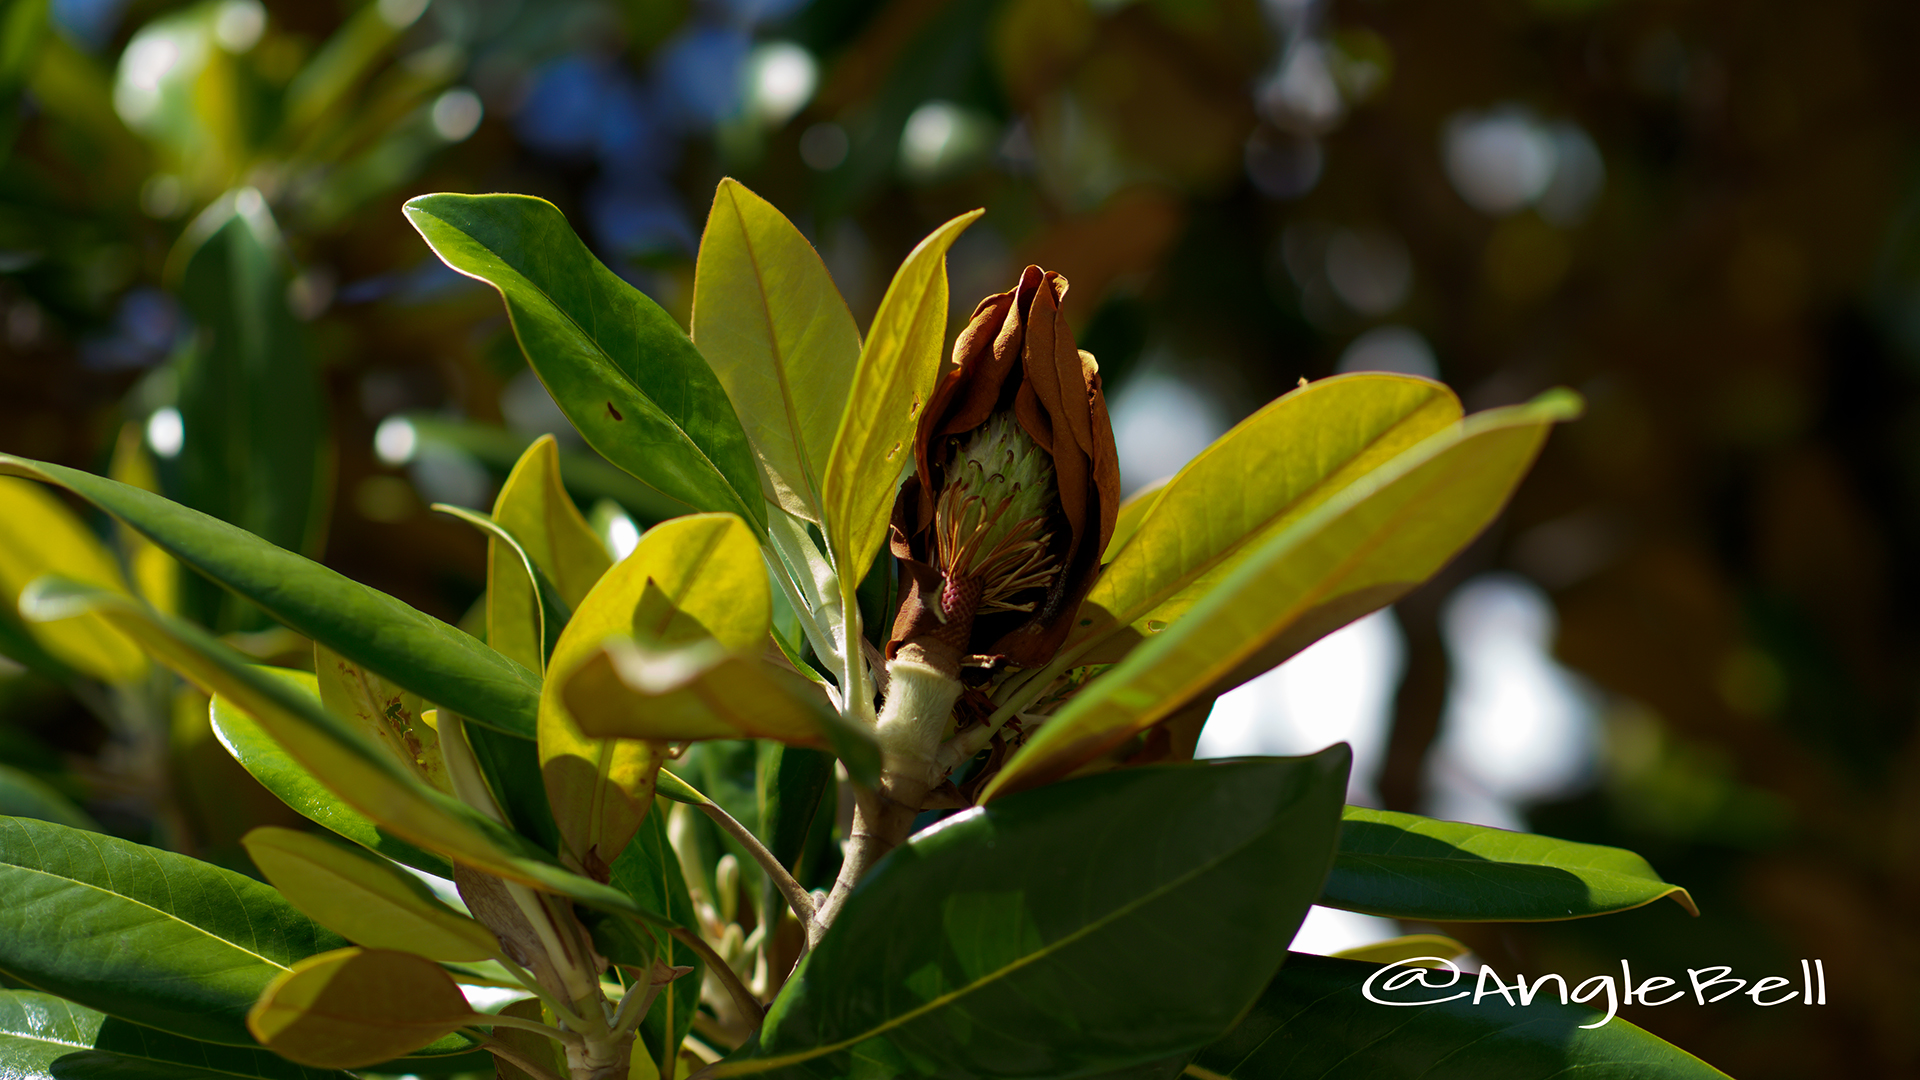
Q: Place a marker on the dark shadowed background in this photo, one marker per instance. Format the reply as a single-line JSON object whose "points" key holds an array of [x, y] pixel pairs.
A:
{"points": [[1692, 635]]}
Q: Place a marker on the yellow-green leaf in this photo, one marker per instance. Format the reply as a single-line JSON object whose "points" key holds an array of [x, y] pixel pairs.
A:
{"points": [[39, 535], [700, 691], [895, 375], [1436, 947], [1271, 470], [768, 319], [535, 508], [688, 580], [1132, 513], [1362, 549], [363, 899], [383, 713], [351, 1008]]}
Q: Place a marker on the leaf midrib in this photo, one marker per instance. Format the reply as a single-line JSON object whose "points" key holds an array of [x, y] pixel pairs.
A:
{"points": [[1005, 970], [678, 430], [1251, 537], [794, 435], [203, 931]]}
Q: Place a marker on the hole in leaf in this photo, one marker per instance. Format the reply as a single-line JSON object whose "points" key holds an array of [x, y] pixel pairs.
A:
{"points": [[1154, 626], [891, 454]]}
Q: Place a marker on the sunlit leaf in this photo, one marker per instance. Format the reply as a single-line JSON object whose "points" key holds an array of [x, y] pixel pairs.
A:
{"points": [[363, 899], [1271, 470], [351, 1008], [534, 506], [620, 369], [402, 644], [39, 535], [1314, 1022], [766, 315], [689, 579], [277, 771], [897, 366], [1410, 867], [1030, 919], [1364, 548], [382, 713], [142, 934], [1131, 514]]}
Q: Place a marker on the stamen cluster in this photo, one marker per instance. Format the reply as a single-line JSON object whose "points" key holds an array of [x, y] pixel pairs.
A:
{"points": [[991, 518]]}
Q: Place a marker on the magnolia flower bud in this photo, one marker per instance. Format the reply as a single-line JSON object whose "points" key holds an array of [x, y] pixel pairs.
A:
{"points": [[1015, 488]]}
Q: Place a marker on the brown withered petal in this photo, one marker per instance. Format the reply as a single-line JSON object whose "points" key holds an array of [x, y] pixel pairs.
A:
{"points": [[1017, 353]]}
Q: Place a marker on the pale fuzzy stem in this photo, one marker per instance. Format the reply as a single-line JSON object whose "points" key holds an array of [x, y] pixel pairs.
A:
{"points": [[797, 898], [920, 701]]}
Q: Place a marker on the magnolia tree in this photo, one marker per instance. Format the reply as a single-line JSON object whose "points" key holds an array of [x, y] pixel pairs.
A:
{"points": [[631, 772]]}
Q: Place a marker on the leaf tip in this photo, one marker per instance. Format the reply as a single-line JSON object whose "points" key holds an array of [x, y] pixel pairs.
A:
{"points": [[1560, 404]]}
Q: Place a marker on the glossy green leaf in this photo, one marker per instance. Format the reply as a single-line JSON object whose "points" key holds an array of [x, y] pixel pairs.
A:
{"points": [[1410, 867], [1315, 1022], [250, 397], [39, 535], [693, 578], [43, 1037], [353, 1007], [404, 645], [359, 772], [363, 899], [1378, 538], [649, 871], [766, 315], [1032, 918], [268, 762], [533, 505], [1271, 470], [874, 443], [620, 369], [146, 935], [383, 714], [23, 794]]}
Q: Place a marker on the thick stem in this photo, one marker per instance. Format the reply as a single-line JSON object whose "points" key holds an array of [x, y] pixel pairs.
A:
{"points": [[923, 684]]}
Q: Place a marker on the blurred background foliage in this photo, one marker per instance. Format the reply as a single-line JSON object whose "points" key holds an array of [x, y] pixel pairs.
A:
{"points": [[1693, 635]]}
